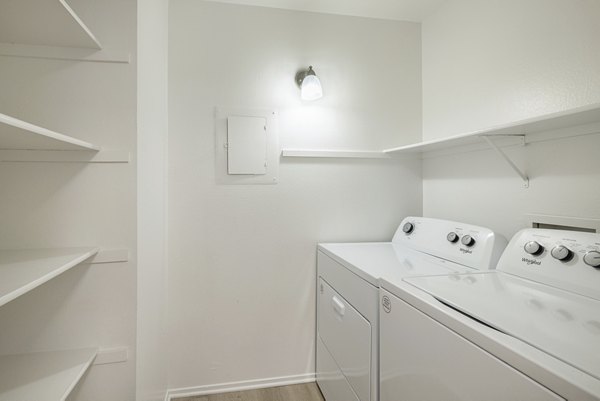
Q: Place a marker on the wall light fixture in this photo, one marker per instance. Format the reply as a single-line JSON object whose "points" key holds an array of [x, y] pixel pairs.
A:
{"points": [[310, 85]]}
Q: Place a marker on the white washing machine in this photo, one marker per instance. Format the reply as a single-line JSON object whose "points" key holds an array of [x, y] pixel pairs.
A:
{"points": [[348, 294], [527, 331]]}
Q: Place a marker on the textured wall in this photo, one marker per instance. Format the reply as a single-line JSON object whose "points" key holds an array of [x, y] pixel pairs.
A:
{"points": [[242, 258], [493, 62], [152, 374]]}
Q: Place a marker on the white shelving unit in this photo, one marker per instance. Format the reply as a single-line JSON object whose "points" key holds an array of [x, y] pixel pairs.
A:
{"points": [[48, 376], [44, 23], [48, 29], [20, 135], [23, 270], [575, 122]]}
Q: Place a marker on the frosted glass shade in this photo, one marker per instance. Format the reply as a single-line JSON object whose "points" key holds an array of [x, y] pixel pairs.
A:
{"points": [[311, 88]]}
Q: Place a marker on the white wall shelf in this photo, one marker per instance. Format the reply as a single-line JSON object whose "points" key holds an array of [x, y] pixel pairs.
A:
{"points": [[344, 154], [44, 23], [23, 270], [64, 156], [576, 122], [51, 29], [20, 135], [533, 130], [65, 53], [48, 376]]}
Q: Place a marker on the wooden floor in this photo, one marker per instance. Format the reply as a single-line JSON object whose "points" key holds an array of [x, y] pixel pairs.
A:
{"points": [[296, 392]]}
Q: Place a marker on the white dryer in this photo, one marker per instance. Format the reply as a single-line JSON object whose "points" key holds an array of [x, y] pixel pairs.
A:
{"points": [[348, 293], [527, 331]]}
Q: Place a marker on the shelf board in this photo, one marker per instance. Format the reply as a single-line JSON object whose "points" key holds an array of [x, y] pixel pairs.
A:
{"points": [[23, 270], [345, 154], [65, 53], [48, 376], [64, 156], [44, 23], [20, 135], [538, 125]]}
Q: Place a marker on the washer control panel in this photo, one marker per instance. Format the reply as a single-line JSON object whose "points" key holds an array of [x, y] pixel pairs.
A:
{"points": [[567, 259], [473, 246]]}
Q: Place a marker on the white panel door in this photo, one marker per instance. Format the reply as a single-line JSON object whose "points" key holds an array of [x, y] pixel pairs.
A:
{"points": [[347, 336], [422, 360]]}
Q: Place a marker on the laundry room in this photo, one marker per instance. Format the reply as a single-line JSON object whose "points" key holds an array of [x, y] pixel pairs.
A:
{"points": [[294, 200]]}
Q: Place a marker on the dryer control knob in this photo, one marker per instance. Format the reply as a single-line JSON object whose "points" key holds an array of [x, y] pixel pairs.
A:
{"points": [[467, 240], [452, 237], [533, 248], [592, 258], [561, 253], [408, 228]]}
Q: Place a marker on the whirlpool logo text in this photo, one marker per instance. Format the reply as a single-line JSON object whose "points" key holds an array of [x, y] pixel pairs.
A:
{"points": [[532, 261]]}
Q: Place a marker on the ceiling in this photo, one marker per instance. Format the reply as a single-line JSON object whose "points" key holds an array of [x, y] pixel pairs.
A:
{"points": [[403, 10]]}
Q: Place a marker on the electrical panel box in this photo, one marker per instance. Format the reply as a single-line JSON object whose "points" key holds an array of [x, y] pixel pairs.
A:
{"points": [[246, 145]]}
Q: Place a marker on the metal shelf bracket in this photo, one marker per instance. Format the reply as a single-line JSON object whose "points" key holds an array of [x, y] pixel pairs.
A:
{"points": [[512, 164]]}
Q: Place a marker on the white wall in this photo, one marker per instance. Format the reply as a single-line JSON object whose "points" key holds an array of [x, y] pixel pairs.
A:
{"points": [[479, 188], [493, 62], [58, 205], [152, 375], [497, 61], [242, 258]]}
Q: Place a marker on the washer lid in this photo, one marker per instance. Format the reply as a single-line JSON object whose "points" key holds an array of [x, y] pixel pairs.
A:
{"points": [[375, 260], [560, 323]]}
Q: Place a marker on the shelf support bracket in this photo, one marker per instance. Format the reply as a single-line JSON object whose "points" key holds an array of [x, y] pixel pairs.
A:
{"points": [[507, 159]]}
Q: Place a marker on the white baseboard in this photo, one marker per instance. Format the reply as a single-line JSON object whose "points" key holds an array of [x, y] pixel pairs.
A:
{"points": [[238, 386]]}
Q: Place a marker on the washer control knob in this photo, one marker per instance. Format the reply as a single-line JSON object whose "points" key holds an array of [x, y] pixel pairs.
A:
{"points": [[467, 240], [408, 228], [534, 248], [561, 253], [452, 237], [592, 258]]}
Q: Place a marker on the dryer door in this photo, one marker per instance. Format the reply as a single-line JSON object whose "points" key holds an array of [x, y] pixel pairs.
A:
{"points": [[346, 334]]}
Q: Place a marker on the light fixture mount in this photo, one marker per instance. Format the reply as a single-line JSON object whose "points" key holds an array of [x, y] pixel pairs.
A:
{"points": [[300, 75]]}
